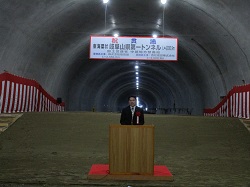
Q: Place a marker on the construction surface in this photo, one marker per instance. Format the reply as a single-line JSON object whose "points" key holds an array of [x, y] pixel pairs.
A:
{"points": [[58, 149], [6, 120]]}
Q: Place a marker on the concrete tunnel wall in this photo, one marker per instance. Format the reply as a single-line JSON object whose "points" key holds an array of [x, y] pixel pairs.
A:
{"points": [[49, 41]]}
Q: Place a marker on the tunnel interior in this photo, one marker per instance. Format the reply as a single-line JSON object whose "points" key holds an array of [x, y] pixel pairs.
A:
{"points": [[48, 41]]}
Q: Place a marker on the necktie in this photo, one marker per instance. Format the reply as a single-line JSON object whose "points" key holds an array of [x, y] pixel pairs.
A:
{"points": [[133, 111]]}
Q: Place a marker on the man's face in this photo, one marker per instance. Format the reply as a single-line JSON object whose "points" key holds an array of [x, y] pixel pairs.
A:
{"points": [[132, 101]]}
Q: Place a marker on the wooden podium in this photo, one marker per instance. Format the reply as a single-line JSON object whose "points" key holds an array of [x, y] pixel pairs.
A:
{"points": [[131, 156], [131, 149]]}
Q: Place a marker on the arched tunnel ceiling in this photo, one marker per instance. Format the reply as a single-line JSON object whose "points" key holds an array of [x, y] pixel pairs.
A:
{"points": [[48, 40]]}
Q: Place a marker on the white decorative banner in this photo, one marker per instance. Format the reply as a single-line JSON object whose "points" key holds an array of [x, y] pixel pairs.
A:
{"points": [[18, 94], [235, 104], [248, 106], [133, 48]]}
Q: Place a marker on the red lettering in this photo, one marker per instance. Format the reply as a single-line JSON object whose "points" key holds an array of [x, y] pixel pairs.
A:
{"points": [[115, 40]]}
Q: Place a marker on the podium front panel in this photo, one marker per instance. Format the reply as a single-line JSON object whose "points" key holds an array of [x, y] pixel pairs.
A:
{"points": [[131, 149]]}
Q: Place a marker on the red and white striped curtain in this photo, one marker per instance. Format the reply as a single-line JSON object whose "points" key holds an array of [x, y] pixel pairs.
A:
{"points": [[18, 94], [235, 104]]}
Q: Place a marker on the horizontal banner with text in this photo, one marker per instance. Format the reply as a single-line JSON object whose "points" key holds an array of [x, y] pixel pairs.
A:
{"points": [[133, 48]]}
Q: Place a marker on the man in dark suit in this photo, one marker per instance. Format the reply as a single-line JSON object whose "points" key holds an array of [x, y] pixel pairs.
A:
{"points": [[132, 114]]}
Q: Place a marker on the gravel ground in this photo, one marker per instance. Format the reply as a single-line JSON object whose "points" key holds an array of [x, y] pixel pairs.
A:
{"points": [[58, 149]]}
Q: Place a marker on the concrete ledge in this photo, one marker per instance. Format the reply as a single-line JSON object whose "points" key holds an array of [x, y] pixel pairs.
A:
{"points": [[6, 120]]}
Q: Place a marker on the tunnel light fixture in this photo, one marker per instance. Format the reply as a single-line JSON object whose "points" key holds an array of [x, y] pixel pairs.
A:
{"points": [[116, 35], [106, 7], [137, 75], [163, 2], [163, 17], [154, 35]]}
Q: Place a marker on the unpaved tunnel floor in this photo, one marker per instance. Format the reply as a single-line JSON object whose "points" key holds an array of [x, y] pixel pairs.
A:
{"points": [[58, 149]]}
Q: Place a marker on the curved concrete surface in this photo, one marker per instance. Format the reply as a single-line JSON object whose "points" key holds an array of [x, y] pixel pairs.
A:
{"points": [[49, 41]]}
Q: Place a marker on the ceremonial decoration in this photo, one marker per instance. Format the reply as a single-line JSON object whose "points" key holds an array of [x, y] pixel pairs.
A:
{"points": [[235, 104], [137, 117], [134, 48], [19, 94]]}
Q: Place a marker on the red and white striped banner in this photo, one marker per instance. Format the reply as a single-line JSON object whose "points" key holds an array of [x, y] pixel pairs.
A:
{"points": [[235, 104], [19, 94]]}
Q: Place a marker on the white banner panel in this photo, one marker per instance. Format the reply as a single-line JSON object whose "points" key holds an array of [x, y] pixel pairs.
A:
{"points": [[133, 48]]}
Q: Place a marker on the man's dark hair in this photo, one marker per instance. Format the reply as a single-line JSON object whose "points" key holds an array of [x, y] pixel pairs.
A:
{"points": [[132, 96]]}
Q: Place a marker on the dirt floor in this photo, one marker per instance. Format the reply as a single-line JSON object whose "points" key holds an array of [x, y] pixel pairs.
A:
{"points": [[58, 149]]}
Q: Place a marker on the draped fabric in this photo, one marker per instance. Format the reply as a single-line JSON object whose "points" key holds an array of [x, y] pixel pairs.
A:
{"points": [[235, 104], [18, 94]]}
